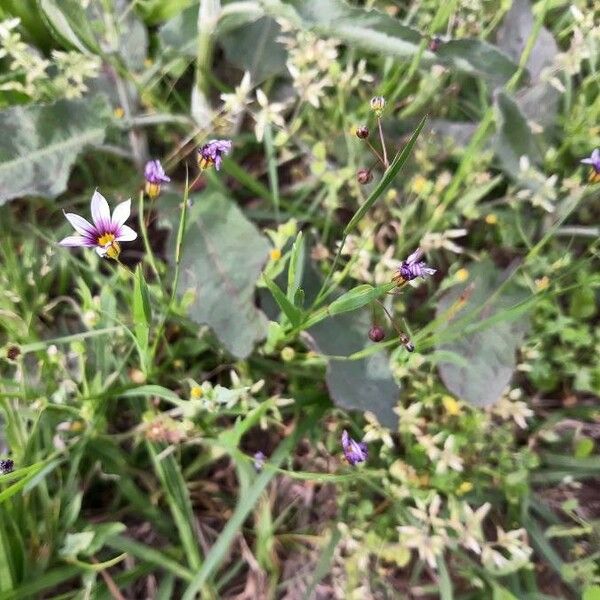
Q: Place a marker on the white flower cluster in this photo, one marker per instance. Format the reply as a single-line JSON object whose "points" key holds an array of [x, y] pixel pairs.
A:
{"points": [[41, 79]]}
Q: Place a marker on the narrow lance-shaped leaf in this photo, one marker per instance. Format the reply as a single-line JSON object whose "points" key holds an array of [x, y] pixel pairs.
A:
{"points": [[387, 178], [358, 297]]}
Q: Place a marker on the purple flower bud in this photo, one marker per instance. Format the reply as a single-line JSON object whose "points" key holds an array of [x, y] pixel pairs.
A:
{"points": [[155, 176], [6, 466], [435, 43], [364, 176], [594, 161], [376, 333], [355, 452], [212, 153], [413, 267], [362, 132], [259, 460]]}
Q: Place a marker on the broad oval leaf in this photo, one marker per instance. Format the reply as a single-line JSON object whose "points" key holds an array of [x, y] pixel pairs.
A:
{"points": [[485, 332], [223, 256], [40, 144]]}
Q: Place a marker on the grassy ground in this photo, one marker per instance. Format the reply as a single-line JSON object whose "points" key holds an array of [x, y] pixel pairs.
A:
{"points": [[172, 412]]}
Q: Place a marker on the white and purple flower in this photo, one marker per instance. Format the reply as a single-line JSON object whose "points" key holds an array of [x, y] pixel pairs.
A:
{"points": [[594, 161], [212, 153], [107, 231], [155, 176], [355, 452], [413, 267]]}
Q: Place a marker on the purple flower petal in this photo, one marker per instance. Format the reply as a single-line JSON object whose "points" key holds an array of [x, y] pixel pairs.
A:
{"points": [[80, 225], [74, 241], [414, 257], [355, 452], [154, 172]]}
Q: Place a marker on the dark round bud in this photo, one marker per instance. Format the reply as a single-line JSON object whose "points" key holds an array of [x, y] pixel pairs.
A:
{"points": [[376, 333], [435, 43], [13, 352], [362, 132], [364, 176], [6, 466], [410, 346]]}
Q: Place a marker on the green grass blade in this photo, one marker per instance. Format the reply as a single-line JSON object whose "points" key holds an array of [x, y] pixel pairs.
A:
{"points": [[387, 178], [324, 565], [219, 551], [173, 484], [151, 555]]}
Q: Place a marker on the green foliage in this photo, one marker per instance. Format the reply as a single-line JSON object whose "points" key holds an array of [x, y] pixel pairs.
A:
{"points": [[43, 142], [175, 418]]}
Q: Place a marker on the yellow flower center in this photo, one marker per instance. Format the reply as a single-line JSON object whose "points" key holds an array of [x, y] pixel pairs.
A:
{"points": [[462, 275], [451, 405], [196, 392], [105, 239], [275, 254], [108, 242]]}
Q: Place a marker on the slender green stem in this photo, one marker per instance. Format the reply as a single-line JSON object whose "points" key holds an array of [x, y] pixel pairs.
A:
{"points": [[144, 230], [386, 164]]}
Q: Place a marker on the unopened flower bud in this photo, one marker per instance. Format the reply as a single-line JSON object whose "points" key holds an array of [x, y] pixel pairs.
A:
{"points": [[378, 104], [435, 43], [362, 132], [13, 352], [364, 176], [376, 333]]}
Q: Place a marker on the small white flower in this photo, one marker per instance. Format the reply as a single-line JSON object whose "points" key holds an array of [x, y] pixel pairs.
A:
{"points": [[270, 113]]}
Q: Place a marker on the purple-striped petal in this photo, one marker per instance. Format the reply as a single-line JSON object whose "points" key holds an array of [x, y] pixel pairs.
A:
{"points": [[125, 234], [414, 257], [74, 241], [100, 212], [80, 225]]}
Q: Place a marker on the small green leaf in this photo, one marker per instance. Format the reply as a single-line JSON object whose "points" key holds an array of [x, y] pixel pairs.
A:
{"points": [[358, 297], [584, 447], [591, 592], [76, 543], [142, 315], [583, 303], [387, 178], [295, 268], [290, 311]]}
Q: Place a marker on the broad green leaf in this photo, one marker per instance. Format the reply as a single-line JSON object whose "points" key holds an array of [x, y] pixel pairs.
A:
{"points": [[68, 20], [383, 34], [223, 256], [358, 297], [387, 178], [477, 58], [290, 311], [514, 137], [41, 143], [254, 47], [142, 315], [364, 384], [512, 36], [489, 338]]}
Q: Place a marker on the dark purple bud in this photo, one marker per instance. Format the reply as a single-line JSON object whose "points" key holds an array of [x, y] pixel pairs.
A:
{"points": [[6, 466], [364, 176], [13, 352], [376, 333], [355, 452], [435, 43], [362, 132]]}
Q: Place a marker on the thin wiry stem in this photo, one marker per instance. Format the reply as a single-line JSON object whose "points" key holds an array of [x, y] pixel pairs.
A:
{"points": [[386, 164]]}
